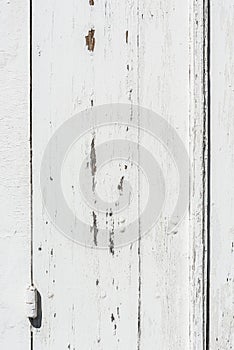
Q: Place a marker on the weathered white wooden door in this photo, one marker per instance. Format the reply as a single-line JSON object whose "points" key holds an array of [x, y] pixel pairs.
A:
{"points": [[115, 129], [114, 121]]}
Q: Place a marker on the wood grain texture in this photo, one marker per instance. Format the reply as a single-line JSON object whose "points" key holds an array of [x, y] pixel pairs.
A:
{"points": [[14, 174], [199, 212], [222, 190], [150, 294]]}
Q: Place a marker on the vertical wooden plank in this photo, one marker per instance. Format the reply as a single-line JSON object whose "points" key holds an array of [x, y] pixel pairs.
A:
{"points": [[89, 296], [222, 190], [164, 87], [14, 174], [199, 174]]}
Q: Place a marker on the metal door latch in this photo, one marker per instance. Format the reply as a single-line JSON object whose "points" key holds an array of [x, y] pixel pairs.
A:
{"points": [[31, 302]]}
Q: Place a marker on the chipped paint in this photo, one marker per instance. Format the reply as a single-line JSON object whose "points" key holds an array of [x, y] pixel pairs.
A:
{"points": [[136, 297], [90, 40], [93, 162], [95, 228]]}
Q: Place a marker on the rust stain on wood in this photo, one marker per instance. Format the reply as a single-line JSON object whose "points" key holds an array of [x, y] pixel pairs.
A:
{"points": [[90, 40]]}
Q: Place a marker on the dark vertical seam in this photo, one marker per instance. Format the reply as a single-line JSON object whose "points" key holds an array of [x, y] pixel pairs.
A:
{"points": [[31, 151], [31, 339], [139, 192], [30, 138], [208, 262], [206, 174]]}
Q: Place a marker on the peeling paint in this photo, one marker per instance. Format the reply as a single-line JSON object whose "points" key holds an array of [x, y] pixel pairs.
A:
{"points": [[94, 228], [120, 185], [111, 236], [102, 280], [90, 40]]}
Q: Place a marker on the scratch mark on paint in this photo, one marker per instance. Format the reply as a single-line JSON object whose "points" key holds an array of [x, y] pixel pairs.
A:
{"points": [[95, 228], [130, 98], [90, 40], [118, 312], [111, 237], [113, 320], [93, 162], [120, 185], [126, 36]]}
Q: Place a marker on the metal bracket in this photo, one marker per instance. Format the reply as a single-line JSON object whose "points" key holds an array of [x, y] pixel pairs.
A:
{"points": [[31, 302]]}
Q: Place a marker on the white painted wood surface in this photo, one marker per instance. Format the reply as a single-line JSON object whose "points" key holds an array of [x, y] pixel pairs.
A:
{"points": [[222, 194], [199, 173], [140, 297], [14, 174], [151, 294]]}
